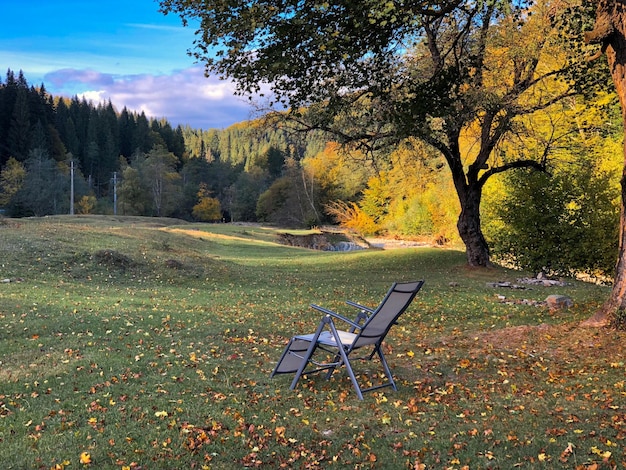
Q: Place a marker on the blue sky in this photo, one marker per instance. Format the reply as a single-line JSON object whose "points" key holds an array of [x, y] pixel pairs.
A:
{"points": [[122, 50]]}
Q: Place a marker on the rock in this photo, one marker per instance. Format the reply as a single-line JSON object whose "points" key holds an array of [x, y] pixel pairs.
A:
{"points": [[498, 284], [507, 285], [542, 281], [557, 302], [345, 246], [532, 303]]}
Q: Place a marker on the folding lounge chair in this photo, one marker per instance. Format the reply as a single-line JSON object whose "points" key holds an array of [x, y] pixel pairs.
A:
{"points": [[369, 328]]}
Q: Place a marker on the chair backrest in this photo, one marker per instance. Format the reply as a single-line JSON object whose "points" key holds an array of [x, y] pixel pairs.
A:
{"points": [[395, 302]]}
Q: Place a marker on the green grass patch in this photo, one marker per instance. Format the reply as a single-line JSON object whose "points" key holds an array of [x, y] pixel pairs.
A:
{"points": [[148, 343]]}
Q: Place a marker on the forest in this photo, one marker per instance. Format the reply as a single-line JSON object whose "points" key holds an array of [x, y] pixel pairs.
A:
{"points": [[561, 221], [128, 163]]}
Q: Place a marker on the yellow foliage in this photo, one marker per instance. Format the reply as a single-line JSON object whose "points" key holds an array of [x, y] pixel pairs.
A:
{"points": [[208, 209], [86, 204], [414, 197], [337, 171], [350, 216], [11, 180]]}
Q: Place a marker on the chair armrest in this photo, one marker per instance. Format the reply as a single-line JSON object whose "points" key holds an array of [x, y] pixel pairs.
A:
{"points": [[359, 306], [337, 316]]}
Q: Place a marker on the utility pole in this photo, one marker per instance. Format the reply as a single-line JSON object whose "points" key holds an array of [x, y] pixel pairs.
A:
{"points": [[115, 193], [71, 187]]}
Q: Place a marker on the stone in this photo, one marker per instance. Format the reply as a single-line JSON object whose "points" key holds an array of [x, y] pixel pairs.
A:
{"points": [[345, 246], [557, 302], [507, 285], [542, 281]]}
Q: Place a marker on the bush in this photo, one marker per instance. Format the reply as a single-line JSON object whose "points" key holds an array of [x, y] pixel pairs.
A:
{"points": [[561, 224], [208, 209], [350, 216]]}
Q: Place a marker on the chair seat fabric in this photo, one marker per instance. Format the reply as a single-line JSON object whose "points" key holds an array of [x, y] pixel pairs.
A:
{"points": [[326, 338], [293, 357]]}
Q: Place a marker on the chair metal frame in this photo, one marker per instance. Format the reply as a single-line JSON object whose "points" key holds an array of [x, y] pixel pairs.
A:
{"points": [[341, 344]]}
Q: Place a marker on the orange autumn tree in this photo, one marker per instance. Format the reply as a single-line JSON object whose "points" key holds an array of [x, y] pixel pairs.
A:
{"points": [[208, 208]]}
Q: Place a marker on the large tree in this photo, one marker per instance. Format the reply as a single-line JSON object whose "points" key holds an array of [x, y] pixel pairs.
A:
{"points": [[376, 72], [609, 32]]}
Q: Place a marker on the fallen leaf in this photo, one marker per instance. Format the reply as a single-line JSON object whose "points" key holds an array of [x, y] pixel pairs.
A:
{"points": [[85, 458]]}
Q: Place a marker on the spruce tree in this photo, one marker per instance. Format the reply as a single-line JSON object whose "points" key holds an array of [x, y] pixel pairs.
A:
{"points": [[19, 135]]}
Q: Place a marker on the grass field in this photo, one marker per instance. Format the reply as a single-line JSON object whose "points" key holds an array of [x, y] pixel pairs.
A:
{"points": [[131, 343]]}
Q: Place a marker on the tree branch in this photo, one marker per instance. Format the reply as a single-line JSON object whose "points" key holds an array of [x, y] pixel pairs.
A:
{"points": [[539, 166]]}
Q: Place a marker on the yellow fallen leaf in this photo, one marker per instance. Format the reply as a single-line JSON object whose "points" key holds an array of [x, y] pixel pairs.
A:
{"points": [[85, 458]]}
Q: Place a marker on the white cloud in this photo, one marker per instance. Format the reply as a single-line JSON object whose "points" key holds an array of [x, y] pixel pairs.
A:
{"points": [[182, 97], [62, 77]]}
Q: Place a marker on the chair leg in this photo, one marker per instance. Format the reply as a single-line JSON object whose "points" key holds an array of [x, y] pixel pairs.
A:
{"points": [[346, 361], [386, 367], [357, 388]]}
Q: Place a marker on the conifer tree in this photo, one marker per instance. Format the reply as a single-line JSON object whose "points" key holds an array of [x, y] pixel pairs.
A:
{"points": [[19, 134]]}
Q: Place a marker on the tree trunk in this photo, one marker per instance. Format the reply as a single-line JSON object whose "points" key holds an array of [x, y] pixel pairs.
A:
{"points": [[610, 31], [615, 306], [468, 224]]}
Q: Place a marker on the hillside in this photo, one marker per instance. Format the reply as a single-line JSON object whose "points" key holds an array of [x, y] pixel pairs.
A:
{"points": [[148, 343]]}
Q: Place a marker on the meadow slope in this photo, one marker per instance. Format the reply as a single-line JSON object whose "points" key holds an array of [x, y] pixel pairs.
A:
{"points": [[138, 343]]}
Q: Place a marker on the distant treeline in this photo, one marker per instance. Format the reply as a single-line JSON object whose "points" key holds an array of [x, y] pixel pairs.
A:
{"points": [[126, 162], [60, 156]]}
